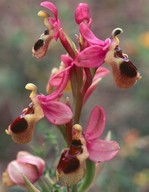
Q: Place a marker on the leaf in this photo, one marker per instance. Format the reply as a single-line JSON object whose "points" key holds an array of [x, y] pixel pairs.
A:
{"points": [[29, 185]]}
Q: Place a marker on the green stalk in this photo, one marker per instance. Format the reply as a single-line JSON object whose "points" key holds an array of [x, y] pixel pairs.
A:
{"points": [[76, 78], [74, 188], [89, 176], [46, 186]]}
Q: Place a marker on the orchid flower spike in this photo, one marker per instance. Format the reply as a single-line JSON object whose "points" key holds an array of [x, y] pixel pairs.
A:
{"points": [[71, 166], [22, 128], [25, 164], [124, 72]]}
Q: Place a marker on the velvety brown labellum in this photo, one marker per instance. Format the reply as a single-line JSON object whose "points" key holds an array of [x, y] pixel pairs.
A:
{"points": [[46, 32], [38, 44], [68, 163], [126, 67], [18, 125]]}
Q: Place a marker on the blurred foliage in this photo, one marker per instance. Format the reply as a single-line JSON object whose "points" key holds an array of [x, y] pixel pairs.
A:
{"points": [[126, 110]]}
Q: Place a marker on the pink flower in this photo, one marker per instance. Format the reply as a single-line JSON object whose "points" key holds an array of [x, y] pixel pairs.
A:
{"points": [[93, 55], [25, 165], [59, 80], [22, 128], [53, 21], [92, 50], [99, 150], [71, 166], [52, 32], [124, 72]]}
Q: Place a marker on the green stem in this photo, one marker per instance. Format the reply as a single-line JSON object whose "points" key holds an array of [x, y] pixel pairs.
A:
{"points": [[76, 78], [78, 108], [74, 188], [46, 186], [89, 176], [62, 130], [88, 81]]}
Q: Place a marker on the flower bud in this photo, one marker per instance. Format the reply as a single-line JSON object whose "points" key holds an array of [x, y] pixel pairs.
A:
{"points": [[26, 165], [82, 13]]}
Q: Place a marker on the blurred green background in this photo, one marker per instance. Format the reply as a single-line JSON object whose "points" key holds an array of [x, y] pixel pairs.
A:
{"points": [[127, 111]]}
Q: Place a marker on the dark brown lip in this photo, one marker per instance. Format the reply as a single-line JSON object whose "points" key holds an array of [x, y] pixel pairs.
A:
{"points": [[126, 67], [38, 44], [19, 125]]}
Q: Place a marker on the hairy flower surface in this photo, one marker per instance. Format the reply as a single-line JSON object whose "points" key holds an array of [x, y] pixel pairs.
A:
{"points": [[25, 164], [99, 150]]}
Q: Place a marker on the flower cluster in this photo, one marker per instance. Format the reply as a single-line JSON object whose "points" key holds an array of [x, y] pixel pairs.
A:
{"points": [[81, 69]]}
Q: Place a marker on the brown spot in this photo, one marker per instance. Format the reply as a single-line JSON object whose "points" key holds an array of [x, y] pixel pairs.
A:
{"points": [[118, 52], [46, 32], [76, 143], [29, 110], [18, 125], [68, 163], [128, 69], [38, 44], [71, 166]]}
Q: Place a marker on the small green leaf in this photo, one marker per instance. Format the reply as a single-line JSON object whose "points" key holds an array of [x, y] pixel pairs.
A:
{"points": [[29, 185]]}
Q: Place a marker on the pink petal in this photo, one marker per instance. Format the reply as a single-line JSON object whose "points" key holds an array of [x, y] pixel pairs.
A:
{"points": [[96, 124], [50, 6], [53, 96], [33, 160], [67, 60], [91, 57], [100, 73], [56, 112], [82, 13], [89, 36], [102, 150], [60, 79], [16, 171]]}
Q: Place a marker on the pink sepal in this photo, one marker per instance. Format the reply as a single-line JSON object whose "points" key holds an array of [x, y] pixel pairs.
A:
{"points": [[100, 73], [56, 112], [102, 150], [96, 124], [91, 57], [50, 6]]}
